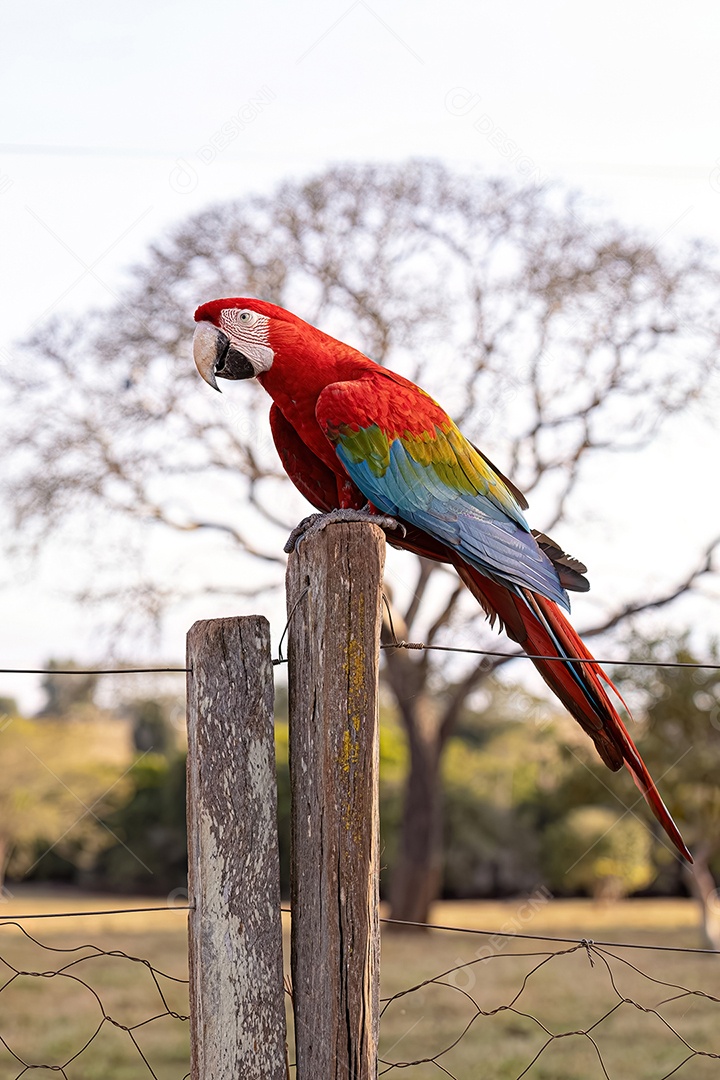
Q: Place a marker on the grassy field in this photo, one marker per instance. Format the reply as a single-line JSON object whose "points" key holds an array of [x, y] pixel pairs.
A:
{"points": [[532, 989]]}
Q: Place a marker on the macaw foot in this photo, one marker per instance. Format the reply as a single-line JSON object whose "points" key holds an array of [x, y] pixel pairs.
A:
{"points": [[315, 523]]}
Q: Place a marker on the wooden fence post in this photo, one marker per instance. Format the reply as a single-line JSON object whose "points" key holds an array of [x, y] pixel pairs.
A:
{"points": [[334, 602], [237, 1014]]}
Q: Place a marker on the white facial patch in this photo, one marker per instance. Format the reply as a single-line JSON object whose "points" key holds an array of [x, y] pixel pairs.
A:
{"points": [[249, 332]]}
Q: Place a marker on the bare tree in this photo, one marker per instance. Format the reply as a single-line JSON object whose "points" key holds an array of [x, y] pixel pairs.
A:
{"points": [[550, 334]]}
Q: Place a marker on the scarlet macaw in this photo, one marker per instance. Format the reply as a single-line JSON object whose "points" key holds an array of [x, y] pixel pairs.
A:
{"points": [[358, 439]]}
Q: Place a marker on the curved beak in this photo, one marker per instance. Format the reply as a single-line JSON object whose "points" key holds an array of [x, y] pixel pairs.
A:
{"points": [[206, 349], [215, 356]]}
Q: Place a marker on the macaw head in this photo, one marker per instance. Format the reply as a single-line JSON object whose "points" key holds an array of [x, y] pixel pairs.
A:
{"points": [[232, 339], [242, 338], [238, 337]]}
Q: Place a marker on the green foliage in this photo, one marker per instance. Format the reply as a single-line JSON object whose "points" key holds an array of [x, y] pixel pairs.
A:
{"points": [[393, 768], [151, 730], [598, 851], [149, 848], [679, 708], [525, 802], [8, 708], [62, 773], [66, 694], [491, 807], [79, 810]]}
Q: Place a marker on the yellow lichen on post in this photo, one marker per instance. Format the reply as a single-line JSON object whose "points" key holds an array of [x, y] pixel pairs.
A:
{"points": [[349, 753], [355, 667]]}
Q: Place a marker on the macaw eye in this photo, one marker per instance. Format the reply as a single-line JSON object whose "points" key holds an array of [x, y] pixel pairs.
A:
{"points": [[248, 317]]}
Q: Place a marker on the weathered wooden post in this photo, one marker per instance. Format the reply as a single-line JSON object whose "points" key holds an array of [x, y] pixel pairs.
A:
{"points": [[237, 1015], [334, 600]]}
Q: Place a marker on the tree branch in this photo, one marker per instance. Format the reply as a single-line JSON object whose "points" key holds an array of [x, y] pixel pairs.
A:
{"points": [[705, 566]]}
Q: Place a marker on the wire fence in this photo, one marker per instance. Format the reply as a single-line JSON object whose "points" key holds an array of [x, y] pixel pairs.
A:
{"points": [[486, 1003], [568, 1008], [412, 646], [421, 646], [574, 1008], [60, 1003]]}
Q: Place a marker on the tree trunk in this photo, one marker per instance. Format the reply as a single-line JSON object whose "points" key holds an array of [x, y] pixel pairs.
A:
{"points": [[417, 875], [702, 886]]}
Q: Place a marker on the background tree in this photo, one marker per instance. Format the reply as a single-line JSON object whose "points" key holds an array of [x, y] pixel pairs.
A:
{"points": [[148, 846], [66, 694], [552, 336], [599, 851], [151, 728], [680, 709], [8, 708]]}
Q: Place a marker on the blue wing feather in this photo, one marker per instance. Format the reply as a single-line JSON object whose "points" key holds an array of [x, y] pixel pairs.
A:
{"points": [[486, 537], [435, 479]]}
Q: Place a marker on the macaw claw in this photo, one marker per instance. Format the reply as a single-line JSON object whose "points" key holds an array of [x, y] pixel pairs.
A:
{"points": [[315, 523]]}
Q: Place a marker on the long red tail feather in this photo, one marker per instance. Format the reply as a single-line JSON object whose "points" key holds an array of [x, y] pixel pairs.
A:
{"points": [[542, 630]]}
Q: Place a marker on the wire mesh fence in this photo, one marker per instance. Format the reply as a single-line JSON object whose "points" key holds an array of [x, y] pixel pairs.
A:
{"points": [[87, 1011], [518, 1006], [455, 1002]]}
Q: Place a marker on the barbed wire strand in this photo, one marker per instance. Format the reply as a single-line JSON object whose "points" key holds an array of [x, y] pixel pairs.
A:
{"points": [[393, 922], [545, 937], [583, 942], [421, 646], [418, 646]]}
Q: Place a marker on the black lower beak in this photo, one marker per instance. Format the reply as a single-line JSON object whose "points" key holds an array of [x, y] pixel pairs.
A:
{"points": [[229, 363]]}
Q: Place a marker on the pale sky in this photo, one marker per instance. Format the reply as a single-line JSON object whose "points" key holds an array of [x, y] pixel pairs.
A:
{"points": [[122, 119]]}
